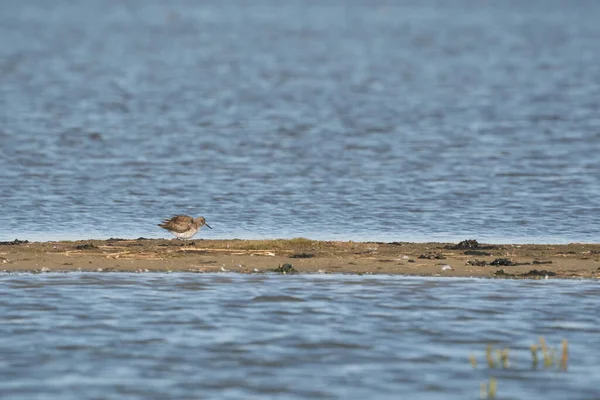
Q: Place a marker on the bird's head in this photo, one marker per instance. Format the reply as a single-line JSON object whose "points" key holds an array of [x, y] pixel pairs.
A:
{"points": [[200, 221]]}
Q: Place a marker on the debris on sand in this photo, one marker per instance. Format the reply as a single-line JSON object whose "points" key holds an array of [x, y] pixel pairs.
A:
{"points": [[15, 242], [465, 245], [477, 253], [535, 272], [531, 274], [432, 256], [286, 269], [503, 262], [87, 246], [469, 245], [302, 255], [477, 263]]}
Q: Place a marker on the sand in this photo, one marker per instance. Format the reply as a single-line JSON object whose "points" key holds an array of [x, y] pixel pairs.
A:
{"points": [[469, 258]]}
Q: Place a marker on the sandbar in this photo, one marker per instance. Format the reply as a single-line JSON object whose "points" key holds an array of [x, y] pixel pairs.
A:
{"points": [[289, 256]]}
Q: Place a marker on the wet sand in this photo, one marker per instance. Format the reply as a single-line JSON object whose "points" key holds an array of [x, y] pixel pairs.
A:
{"points": [[468, 258]]}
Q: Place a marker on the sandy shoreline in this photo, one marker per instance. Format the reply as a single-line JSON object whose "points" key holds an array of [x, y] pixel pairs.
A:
{"points": [[467, 258]]}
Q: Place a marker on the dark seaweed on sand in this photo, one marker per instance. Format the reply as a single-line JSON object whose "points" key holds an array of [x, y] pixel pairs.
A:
{"points": [[470, 244], [286, 269], [302, 255], [15, 242], [87, 246], [432, 256], [504, 262]]}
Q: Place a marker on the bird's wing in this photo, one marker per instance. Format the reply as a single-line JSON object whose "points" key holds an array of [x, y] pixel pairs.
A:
{"points": [[179, 223]]}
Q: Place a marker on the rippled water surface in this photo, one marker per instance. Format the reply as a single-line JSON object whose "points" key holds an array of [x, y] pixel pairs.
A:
{"points": [[183, 336], [381, 120]]}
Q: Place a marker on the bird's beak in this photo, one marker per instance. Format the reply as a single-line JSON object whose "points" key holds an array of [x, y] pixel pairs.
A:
{"points": [[207, 225]]}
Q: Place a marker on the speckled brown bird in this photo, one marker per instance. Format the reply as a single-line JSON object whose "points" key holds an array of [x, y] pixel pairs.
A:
{"points": [[183, 226]]}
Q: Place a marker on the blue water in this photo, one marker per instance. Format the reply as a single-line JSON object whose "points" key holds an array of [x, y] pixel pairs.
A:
{"points": [[183, 336], [413, 120]]}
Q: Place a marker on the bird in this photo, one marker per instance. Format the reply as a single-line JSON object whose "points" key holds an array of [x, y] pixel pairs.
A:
{"points": [[183, 226]]}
